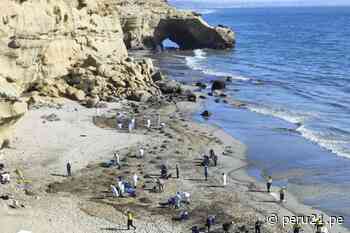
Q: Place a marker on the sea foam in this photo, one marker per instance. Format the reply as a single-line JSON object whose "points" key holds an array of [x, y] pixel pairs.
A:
{"points": [[322, 138], [335, 146], [294, 118], [199, 62]]}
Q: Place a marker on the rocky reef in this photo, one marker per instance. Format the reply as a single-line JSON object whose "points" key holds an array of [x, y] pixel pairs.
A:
{"points": [[77, 49]]}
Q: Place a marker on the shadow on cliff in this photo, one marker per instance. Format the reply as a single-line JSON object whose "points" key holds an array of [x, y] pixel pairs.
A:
{"points": [[193, 33]]}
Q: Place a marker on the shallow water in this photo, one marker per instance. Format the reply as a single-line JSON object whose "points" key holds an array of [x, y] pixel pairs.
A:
{"points": [[313, 174], [301, 55], [292, 68]]}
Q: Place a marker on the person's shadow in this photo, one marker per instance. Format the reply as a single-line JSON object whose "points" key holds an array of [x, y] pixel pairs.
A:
{"points": [[114, 229], [59, 175]]}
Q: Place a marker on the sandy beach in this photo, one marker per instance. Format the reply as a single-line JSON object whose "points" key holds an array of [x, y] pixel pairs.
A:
{"points": [[74, 94], [83, 202]]}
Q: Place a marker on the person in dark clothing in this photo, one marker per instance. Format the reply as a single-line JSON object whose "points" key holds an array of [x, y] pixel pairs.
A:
{"points": [[258, 224], [215, 159], [164, 172], [183, 216], [269, 184], [208, 225], [210, 222], [206, 160], [296, 228], [211, 153], [282, 194], [195, 229], [177, 171], [319, 224], [130, 220], [69, 169], [206, 172]]}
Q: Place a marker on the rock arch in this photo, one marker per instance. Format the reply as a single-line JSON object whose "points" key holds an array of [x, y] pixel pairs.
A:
{"points": [[193, 33]]}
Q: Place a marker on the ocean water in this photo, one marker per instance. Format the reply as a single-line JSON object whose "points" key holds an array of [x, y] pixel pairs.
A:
{"points": [[302, 55], [292, 67]]}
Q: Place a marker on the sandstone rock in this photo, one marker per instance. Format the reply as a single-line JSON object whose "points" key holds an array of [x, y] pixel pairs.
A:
{"points": [[75, 94], [105, 71], [170, 87], [78, 49], [147, 29], [6, 143], [10, 113], [140, 96]]}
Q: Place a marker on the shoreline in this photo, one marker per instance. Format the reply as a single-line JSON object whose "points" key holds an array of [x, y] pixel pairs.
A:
{"points": [[293, 207], [313, 147], [296, 202], [182, 141]]}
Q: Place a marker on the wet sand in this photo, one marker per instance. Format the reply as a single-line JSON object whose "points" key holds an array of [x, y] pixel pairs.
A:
{"points": [[83, 202]]}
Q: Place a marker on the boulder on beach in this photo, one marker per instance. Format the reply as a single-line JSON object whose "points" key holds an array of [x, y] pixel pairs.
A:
{"points": [[92, 102], [191, 97], [218, 85], [170, 87], [158, 76], [201, 85], [206, 114], [140, 96], [229, 79]]}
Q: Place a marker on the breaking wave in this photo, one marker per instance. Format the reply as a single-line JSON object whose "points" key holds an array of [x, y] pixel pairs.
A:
{"points": [[198, 62], [327, 138]]}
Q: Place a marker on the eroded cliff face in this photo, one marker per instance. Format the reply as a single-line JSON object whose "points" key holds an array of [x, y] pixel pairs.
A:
{"points": [[78, 49], [63, 48], [147, 23], [59, 47]]}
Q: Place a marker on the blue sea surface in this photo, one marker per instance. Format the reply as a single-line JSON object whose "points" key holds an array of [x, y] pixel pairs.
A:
{"points": [[291, 66], [302, 56]]}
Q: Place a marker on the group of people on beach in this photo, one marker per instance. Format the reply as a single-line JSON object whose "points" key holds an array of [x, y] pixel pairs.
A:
{"points": [[119, 190], [131, 124], [282, 191]]}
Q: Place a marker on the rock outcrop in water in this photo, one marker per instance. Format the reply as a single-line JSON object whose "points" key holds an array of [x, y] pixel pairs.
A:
{"points": [[78, 49], [148, 23]]}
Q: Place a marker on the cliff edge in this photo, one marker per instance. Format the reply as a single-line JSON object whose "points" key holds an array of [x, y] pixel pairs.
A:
{"points": [[77, 49]]}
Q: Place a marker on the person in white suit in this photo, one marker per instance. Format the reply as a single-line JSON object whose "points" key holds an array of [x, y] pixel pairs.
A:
{"points": [[224, 179], [135, 179]]}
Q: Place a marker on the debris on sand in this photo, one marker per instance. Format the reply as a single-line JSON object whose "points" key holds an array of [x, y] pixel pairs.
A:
{"points": [[51, 117]]}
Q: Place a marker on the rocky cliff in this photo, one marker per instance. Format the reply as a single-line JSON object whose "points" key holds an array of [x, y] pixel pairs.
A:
{"points": [[147, 23], [78, 49]]}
